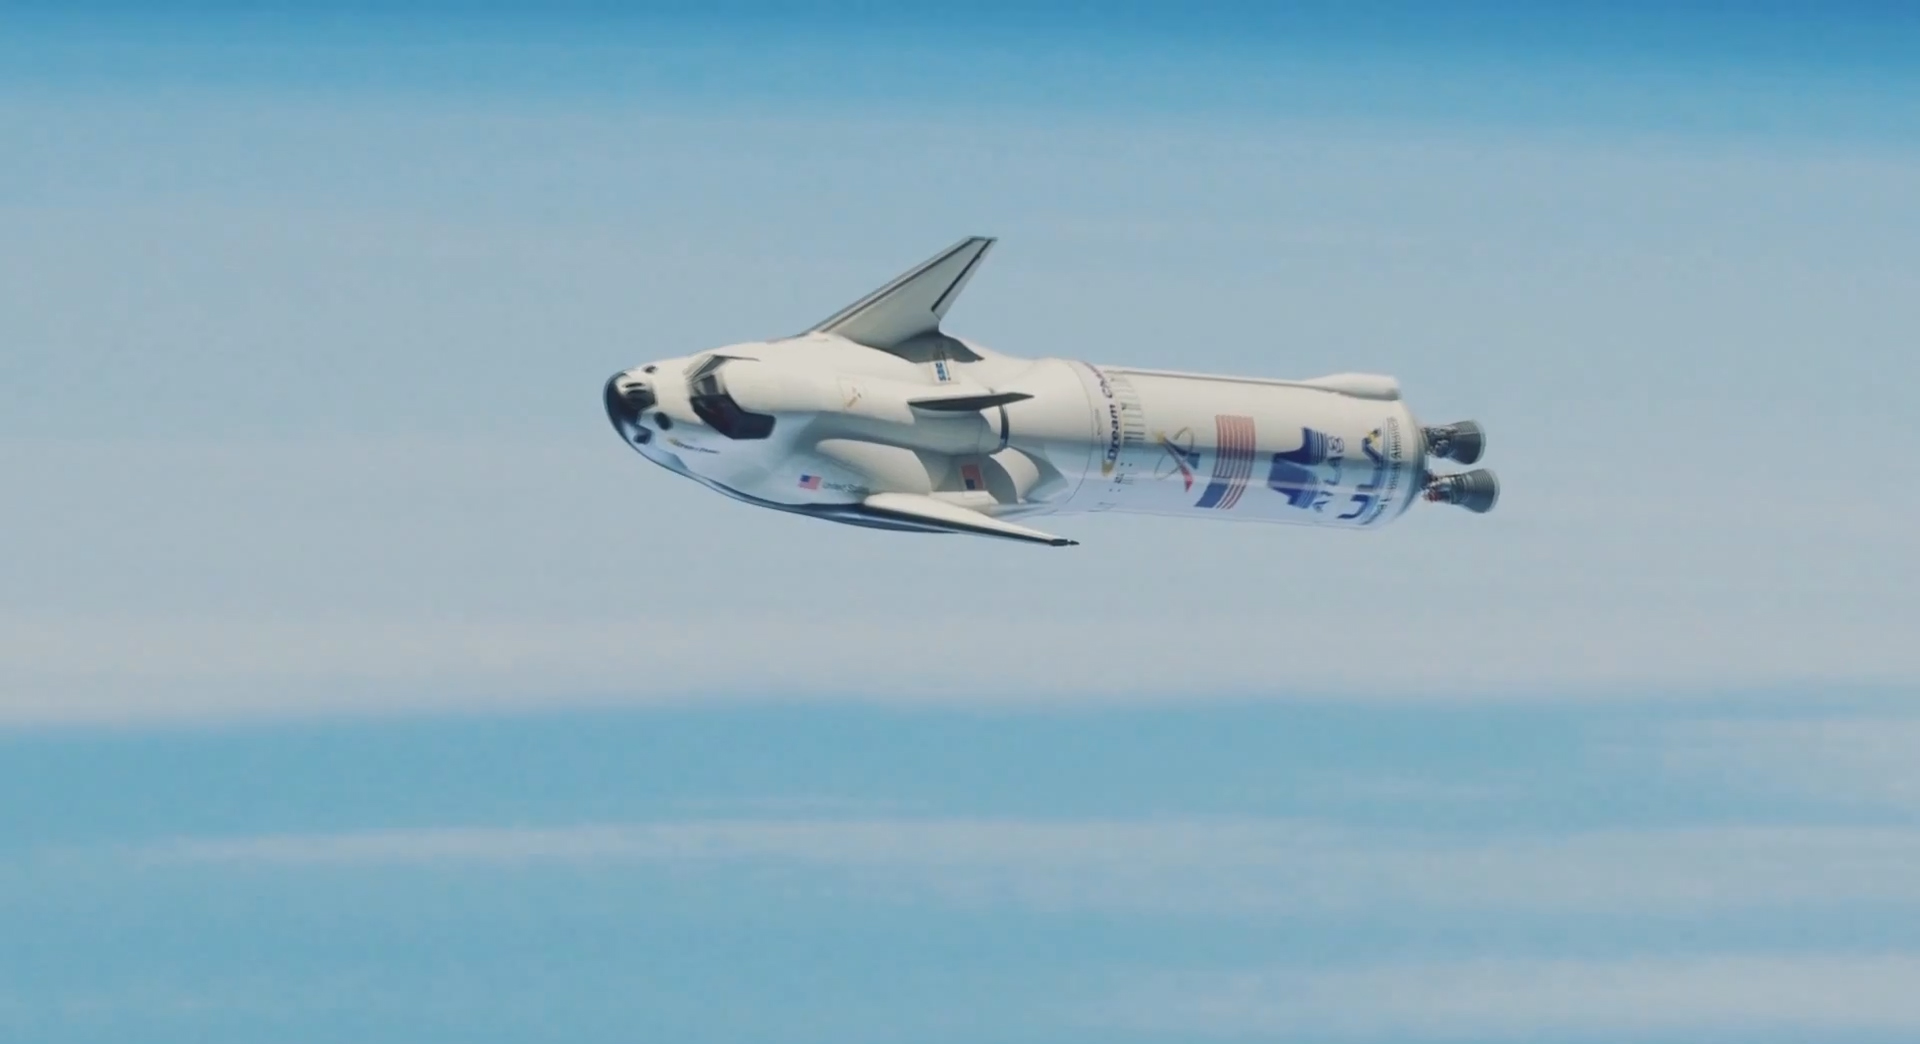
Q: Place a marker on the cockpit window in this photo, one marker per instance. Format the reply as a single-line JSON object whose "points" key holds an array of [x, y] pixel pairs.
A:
{"points": [[707, 389]]}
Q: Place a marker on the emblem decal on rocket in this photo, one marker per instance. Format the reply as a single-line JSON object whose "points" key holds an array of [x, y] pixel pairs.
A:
{"points": [[1180, 455]]}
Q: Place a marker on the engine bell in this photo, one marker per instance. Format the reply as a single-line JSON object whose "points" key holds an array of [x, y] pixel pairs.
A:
{"points": [[1462, 441], [1475, 490]]}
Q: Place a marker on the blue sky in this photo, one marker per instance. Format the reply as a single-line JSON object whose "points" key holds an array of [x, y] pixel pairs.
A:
{"points": [[356, 683]]}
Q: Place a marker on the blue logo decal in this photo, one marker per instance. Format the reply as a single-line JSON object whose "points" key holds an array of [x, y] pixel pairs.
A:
{"points": [[1295, 473], [1370, 500]]}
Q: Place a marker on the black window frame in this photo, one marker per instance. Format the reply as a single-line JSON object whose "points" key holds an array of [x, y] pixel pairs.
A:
{"points": [[707, 394]]}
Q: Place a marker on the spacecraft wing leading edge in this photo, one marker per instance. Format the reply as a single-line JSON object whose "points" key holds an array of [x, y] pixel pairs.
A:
{"points": [[939, 515], [912, 305]]}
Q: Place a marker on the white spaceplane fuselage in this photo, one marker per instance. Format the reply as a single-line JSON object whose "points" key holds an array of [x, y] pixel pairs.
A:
{"points": [[876, 417]]}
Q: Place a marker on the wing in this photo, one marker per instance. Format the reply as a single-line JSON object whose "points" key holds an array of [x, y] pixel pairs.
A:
{"points": [[934, 515], [967, 403], [908, 512], [912, 305]]}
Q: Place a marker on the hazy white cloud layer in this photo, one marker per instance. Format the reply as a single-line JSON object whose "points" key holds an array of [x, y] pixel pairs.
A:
{"points": [[1247, 870], [1771, 996], [1219, 866], [1851, 759]]}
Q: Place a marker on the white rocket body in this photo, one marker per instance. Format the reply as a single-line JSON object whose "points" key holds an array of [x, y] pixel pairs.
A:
{"points": [[1343, 451]]}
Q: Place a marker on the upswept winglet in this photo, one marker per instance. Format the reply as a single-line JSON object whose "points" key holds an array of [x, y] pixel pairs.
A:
{"points": [[939, 515], [913, 304]]}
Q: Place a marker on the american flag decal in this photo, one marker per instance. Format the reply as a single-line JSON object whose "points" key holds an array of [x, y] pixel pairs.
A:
{"points": [[1232, 463], [809, 482], [970, 477]]}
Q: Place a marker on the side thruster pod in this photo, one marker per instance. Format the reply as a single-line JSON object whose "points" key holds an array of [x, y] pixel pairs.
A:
{"points": [[1462, 442], [1475, 490]]}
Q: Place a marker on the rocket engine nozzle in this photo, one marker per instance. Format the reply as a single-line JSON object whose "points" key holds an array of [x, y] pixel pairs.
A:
{"points": [[1475, 490], [1461, 441]]}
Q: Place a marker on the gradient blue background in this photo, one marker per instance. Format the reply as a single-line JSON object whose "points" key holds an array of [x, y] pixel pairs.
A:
{"points": [[357, 684]]}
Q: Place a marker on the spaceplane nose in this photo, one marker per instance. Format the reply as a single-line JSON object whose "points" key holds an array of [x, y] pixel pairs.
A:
{"points": [[628, 396]]}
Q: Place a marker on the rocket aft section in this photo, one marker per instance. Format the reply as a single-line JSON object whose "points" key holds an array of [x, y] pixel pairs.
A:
{"points": [[876, 417]]}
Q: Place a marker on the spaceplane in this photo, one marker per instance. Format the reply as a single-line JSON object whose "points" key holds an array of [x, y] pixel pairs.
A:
{"points": [[878, 417]]}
